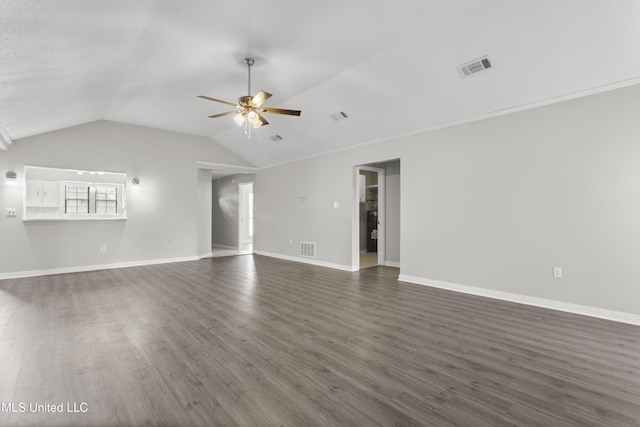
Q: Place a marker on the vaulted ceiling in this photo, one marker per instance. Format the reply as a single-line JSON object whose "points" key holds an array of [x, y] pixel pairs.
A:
{"points": [[391, 66]]}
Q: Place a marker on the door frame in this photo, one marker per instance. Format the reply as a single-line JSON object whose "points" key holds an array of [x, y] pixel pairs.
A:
{"points": [[355, 238], [241, 209]]}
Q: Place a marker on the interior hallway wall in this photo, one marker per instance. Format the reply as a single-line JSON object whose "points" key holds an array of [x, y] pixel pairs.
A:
{"points": [[204, 212]]}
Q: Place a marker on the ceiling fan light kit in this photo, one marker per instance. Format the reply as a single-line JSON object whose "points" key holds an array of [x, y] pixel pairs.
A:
{"points": [[249, 108]]}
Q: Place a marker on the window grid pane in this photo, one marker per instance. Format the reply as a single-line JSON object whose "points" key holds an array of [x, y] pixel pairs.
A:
{"points": [[76, 199], [106, 200]]}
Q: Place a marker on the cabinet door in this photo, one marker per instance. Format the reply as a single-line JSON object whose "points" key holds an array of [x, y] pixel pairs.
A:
{"points": [[50, 194], [34, 193]]}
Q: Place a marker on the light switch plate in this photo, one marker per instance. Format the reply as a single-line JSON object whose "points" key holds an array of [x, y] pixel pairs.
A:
{"points": [[12, 212]]}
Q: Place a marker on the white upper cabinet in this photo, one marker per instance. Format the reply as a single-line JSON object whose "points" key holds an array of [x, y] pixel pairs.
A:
{"points": [[42, 194]]}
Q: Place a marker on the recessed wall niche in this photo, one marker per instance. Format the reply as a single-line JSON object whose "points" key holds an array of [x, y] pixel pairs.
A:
{"points": [[53, 194]]}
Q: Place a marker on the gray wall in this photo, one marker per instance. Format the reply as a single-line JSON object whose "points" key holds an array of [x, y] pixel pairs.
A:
{"points": [[165, 215], [494, 204], [225, 209], [204, 212]]}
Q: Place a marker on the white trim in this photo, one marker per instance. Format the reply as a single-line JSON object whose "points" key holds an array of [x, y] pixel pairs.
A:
{"points": [[392, 264], [616, 316], [226, 167], [355, 220], [81, 269], [307, 261], [242, 186]]}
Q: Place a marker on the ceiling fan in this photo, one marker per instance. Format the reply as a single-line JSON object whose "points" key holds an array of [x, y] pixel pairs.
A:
{"points": [[249, 108]]}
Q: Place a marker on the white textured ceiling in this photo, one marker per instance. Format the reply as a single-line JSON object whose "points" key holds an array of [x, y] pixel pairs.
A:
{"points": [[390, 65]]}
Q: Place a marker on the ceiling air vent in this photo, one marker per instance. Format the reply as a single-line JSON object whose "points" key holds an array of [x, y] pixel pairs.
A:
{"points": [[337, 117], [276, 138], [474, 67]]}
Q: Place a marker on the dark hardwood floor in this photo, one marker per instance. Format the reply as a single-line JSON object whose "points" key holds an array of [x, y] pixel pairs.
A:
{"points": [[256, 341]]}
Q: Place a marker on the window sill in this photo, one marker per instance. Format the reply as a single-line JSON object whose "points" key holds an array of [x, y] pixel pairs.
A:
{"points": [[85, 219]]}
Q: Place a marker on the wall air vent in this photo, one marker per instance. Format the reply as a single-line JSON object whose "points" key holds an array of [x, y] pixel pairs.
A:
{"points": [[276, 138], [474, 67], [337, 117], [308, 249]]}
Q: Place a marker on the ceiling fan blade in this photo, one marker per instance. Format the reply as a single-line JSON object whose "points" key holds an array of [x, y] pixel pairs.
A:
{"points": [[281, 111], [263, 121], [218, 100], [228, 113], [260, 98]]}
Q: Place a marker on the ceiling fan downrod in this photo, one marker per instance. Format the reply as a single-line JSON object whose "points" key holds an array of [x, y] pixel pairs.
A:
{"points": [[249, 62], [246, 101]]}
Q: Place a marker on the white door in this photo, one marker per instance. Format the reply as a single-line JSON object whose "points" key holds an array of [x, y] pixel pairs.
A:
{"points": [[245, 222]]}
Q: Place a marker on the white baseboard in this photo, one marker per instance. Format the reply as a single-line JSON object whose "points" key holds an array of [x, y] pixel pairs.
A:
{"points": [[392, 264], [85, 268], [617, 316], [307, 261]]}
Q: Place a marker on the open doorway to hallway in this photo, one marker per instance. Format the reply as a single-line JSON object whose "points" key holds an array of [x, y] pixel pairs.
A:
{"points": [[371, 216], [377, 222], [232, 215]]}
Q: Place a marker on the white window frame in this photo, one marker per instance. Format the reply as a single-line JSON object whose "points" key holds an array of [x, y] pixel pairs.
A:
{"points": [[92, 214], [63, 188]]}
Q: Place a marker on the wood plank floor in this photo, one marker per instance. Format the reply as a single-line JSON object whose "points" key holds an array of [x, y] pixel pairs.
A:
{"points": [[256, 341]]}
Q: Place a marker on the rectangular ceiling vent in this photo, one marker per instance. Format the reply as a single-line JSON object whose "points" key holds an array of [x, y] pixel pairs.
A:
{"points": [[338, 117], [474, 67], [276, 138], [308, 249]]}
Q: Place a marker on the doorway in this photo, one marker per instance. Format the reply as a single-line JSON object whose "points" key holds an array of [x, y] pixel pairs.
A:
{"points": [[245, 217], [371, 216], [376, 215], [232, 225]]}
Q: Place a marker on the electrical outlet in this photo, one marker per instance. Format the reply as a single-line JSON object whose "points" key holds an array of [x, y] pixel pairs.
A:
{"points": [[557, 272], [12, 212], [103, 248]]}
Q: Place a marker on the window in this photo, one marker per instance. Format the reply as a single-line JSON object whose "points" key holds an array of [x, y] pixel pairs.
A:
{"points": [[76, 199], [106, 200], [93, 200]]}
